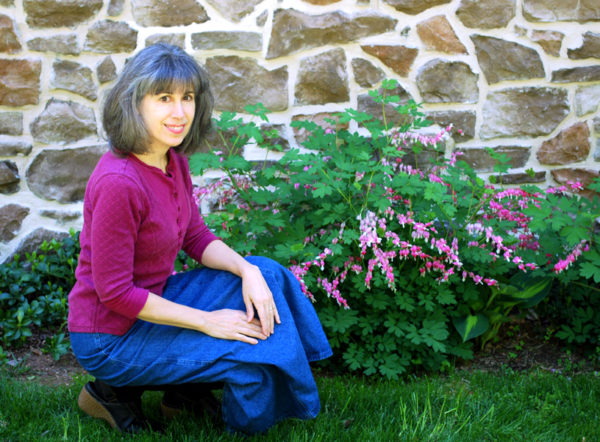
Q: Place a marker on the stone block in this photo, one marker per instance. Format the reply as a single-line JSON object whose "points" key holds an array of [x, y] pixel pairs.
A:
{"points": [[523, 112], [463, 123], [547, 11], [414, 7], [441, 81], [115, 7], [321, 119], [569, 146], [577, 74], [365, 73], [502, 60], [59, 13], [61, 216], [486, 14], [9, 177], [9, 41], [109, 37], [437, 35], [19, 82], [293, 30], [262, 18], [237, 82], [172, 39], [62, 175], [234, 10], [397, 58], [33, 241], [61, 44], [11, 123], [323, 79], [73, 77], [587, 99], [550, 41], [584, 176], [167, 13], [590, 47], [63, 122], [106, 70], [11, 148], [236, 40], [481, 160], [11, 220], [521, 178]]}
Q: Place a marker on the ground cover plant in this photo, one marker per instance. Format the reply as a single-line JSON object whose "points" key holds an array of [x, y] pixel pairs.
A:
{"points": [[33, 295], [418, 256]]}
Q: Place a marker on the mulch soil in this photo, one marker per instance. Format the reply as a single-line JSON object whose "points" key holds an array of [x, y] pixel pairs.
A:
{"points": [[521, 346]]}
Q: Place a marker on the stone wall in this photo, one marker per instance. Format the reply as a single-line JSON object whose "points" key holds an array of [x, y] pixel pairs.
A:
{"points": [[520, 76]]}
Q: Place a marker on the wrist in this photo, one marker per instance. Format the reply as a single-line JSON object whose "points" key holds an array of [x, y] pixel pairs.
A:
{"points": [[246, 269]]}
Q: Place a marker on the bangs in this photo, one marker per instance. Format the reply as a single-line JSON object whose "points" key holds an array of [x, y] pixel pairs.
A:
{"points": [[172, 75]]}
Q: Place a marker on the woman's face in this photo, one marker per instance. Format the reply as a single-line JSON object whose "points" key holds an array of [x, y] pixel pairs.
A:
{"points": [[168, 117]]}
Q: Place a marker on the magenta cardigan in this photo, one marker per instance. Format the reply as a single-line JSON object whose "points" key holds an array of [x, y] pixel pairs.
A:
{"points": [[135, 220]]}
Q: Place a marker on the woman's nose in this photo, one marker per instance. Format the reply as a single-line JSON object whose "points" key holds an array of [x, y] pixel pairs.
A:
{"points": [[178, 108]]}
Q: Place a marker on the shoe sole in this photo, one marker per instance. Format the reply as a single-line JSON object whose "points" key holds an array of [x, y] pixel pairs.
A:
{"points": [[91, 406]]}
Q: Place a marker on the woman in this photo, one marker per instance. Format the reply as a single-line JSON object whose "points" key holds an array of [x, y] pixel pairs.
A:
{"points": [[242, 324]]}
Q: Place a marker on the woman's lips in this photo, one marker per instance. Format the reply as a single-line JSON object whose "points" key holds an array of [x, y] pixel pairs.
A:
{"points": [[175, 128]]}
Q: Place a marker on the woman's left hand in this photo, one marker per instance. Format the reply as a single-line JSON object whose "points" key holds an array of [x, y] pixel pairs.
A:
{"points": [[257, 295]]}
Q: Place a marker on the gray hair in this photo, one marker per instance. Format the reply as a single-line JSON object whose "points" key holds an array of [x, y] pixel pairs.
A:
{"points": [[155, 69]]}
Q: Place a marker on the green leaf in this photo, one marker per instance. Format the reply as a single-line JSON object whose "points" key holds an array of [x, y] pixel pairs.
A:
{"points": [[258, 109], [574, 235], [201, 161], [297, 247], [590, 271], [322, 190], [526, 289], [471, 326]]}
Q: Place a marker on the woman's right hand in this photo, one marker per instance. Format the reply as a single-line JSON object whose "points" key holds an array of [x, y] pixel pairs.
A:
{"points": [[222, 324], [232, 325]]}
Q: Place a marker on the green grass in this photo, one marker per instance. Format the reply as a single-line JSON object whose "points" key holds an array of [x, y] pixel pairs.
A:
{"points": [[462, 406]]}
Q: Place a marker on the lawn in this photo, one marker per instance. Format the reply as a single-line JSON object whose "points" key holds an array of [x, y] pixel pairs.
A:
{"points": [[534, 405]]}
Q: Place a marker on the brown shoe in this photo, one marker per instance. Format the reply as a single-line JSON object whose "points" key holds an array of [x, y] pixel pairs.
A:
{"points": [[100, 400]]}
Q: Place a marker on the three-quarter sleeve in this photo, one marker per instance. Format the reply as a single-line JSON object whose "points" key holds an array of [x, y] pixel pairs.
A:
{"points": [[117, 206]]}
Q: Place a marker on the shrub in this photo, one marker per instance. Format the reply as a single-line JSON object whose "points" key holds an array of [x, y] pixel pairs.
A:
{"points": [[419, 254], [33, 292]]}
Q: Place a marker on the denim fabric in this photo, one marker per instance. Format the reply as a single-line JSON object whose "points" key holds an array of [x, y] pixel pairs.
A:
{"points": [[264, 383]]}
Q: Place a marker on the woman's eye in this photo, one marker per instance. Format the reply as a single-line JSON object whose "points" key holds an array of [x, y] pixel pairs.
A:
{"points": [[164, 98], [189, 97]]}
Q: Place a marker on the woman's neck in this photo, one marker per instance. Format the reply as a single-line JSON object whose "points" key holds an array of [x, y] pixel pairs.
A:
{"points": [[159, 160]]}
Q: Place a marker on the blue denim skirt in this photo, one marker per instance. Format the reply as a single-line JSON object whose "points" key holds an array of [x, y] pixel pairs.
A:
{"points": [[263, 383]]}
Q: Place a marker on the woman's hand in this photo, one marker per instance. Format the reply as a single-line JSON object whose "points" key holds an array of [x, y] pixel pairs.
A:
{"points": [[255, 290], [257, 295], [222, 324], [233, 325]]}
